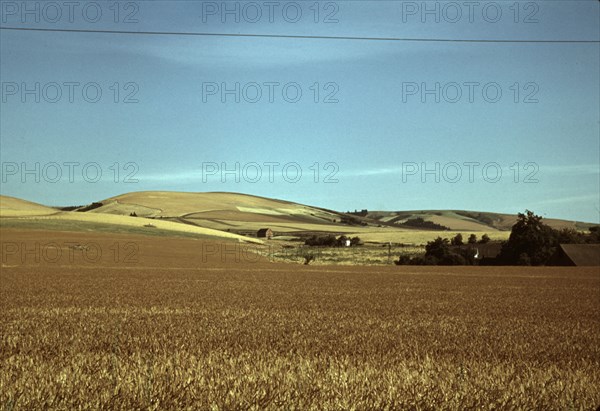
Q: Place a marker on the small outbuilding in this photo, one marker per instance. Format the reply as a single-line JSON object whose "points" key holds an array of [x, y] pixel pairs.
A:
{"points": [[484, 254], [265, 233], [577, 255]]}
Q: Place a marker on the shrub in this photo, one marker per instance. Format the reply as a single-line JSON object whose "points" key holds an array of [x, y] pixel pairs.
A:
{"points": [[453, 259], [427, 260], [331, 241], [422, 260], [354, 241], [322, 241], [403, 260], [341, 241], [594, 236], [308, 257]]}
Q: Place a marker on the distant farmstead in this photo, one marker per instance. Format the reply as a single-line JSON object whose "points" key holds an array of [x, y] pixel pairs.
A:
{"points": [[265, 233]]}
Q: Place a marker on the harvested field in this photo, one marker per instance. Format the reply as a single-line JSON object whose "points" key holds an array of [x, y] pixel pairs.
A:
{"points": [[176, 330]]}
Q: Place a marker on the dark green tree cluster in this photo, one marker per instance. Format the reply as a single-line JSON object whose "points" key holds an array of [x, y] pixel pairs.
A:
{"points": [[532, 242], [473, 239], [332, 241], [419, 222], [92, 206], [440, 252]]}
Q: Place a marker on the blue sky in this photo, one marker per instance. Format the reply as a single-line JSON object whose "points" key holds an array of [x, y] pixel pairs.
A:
{"points": [[376, 135]]}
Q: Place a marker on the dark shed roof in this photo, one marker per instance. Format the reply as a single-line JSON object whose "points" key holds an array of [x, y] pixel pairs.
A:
{"points": [[581, 254]]}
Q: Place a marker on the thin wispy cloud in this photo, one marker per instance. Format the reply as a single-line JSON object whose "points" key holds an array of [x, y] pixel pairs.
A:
{"points": [[543, 169], [591, 198], [184, 176], [572, 169]]}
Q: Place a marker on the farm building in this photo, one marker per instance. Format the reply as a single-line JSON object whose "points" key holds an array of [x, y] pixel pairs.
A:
{"points": [[265, 233], [577, 255], [485, 254]]}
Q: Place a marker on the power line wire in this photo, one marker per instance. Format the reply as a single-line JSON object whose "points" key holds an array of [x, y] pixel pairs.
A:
{"points": [[291, 36]]}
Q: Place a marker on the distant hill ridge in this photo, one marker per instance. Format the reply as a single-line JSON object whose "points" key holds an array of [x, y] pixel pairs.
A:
{"points": [[231, 211]]}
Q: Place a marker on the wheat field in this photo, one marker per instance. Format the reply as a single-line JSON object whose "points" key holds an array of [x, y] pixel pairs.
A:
{"points": [[165, 332]]}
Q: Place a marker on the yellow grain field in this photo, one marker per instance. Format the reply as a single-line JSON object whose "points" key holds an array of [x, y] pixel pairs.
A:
{"points": [[169, 332]]}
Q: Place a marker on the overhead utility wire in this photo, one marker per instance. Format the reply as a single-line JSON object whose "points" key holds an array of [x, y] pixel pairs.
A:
{"points": [[290, 36]]}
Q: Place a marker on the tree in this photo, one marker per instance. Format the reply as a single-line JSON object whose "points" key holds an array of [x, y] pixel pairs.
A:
{"points": [[472, 239], [438, 248], [530, 242], [484, 239], [457, 240], [594, 236], [569, 236]]}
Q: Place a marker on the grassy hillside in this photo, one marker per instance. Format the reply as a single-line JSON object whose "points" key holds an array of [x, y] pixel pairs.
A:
{"points": [[460, 220], [15, 207], [22, 214], [238, 216], [246, 214], [211, 206]]}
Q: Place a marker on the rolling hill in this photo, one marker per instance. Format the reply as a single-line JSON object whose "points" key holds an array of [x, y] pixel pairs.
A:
{"points": [[17, 213], [15, 207], [461, 220], [231, 212], [215, 205], [238, 216]]}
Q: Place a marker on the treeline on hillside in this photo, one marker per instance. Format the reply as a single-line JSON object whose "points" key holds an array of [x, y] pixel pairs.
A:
{"points": [[81, 208], [69, 208], [351, 220], [90, 207], [419, 222]]}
